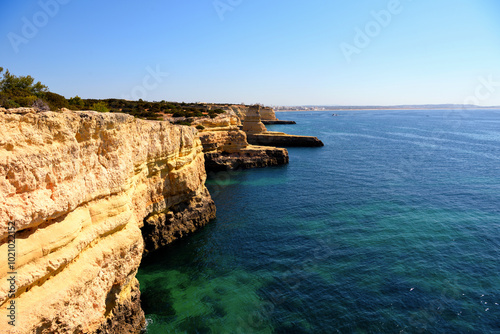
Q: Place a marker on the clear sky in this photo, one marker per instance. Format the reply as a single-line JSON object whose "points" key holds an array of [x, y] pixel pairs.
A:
{"points": [[336, 52]]}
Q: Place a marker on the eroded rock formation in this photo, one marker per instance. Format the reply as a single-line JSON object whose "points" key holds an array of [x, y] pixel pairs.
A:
{"points": [[79, 186], [252, 121], [241, 110], [281, 139], [267, 114], [257, 133], [226, 146]]}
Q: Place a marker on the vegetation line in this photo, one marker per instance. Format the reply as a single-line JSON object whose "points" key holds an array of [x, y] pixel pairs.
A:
{"points": [[22, 91]]}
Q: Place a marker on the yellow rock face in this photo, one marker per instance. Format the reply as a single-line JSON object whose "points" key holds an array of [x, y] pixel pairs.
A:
{"points": [[240, 110], [222, 133], [226, 146], [252, 121], [79, 186], [267, 114]]}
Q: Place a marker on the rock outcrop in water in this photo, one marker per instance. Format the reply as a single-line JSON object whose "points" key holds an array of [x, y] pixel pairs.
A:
{"points": [[282, 139], [226, 146], [277, 122], [79, 187], [267, 114], [257, 133]]}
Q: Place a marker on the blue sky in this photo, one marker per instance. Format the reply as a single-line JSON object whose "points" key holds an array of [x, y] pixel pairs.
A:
{"points": [[259, 51]]}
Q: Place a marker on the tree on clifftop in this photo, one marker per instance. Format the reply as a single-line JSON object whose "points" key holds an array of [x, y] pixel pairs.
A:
{"points": [[19, 91], [76, 103], [23, 84]]}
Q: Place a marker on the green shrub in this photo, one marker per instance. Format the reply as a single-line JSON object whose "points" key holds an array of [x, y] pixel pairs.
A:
{"points": [[10, 104], [12, 85], [19, 91], [100, 106], [76, 103], [200, 127], [55, 101], [25, 101]]}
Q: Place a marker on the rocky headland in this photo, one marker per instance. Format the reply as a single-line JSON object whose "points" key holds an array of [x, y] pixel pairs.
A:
{"points": [[226, 146], [257, 133], [282, 139], [88, 192], [267, 114], [276, 122]]}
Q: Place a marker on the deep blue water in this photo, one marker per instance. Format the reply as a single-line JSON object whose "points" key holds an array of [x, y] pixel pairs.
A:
{"points": [[392, 227]]}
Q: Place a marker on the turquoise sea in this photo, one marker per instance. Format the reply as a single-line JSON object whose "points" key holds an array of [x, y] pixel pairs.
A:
{"points": [[392, 227]]}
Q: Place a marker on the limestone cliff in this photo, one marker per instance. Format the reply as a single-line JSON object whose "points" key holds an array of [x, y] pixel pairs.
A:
{"points": [[80, 186], [241, 110], [254, 119], [267, 114], [257, 133], [226, 146]]}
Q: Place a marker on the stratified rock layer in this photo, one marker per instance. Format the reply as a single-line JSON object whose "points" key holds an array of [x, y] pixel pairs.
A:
{"points": [[226, 146], [240, 110], [178, 221], [252, 122], [267, 114], [281, 139], [277, 122], [257, 133], [79, 186]]}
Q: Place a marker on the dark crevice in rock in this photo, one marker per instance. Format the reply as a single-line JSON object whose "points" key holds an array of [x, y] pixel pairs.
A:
{"points": [[161, 229], [223, 161], [126, 317]]}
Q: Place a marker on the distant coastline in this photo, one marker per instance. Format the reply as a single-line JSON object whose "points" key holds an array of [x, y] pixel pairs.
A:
{"points": [[397, 107]]}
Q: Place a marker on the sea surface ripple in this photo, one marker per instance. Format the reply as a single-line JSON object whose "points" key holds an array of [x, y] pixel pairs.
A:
{"points": [[392, 227]]}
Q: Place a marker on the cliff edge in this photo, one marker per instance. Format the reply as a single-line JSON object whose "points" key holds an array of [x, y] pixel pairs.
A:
{"points": [[257, 133], [79, 187], [226, 146]]}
